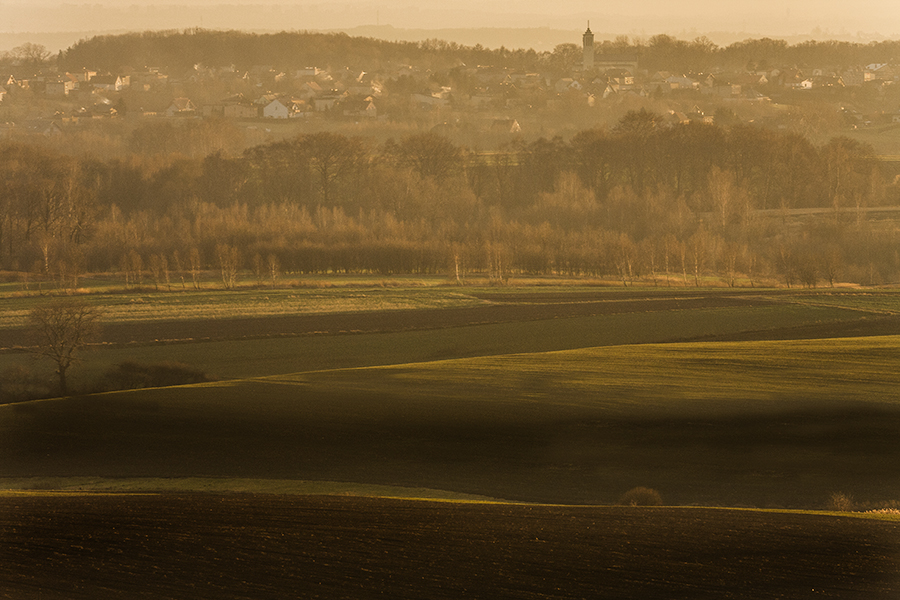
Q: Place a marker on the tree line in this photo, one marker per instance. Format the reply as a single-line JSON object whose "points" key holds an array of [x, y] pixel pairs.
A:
{"points": [[642, 200], [181, 50]]}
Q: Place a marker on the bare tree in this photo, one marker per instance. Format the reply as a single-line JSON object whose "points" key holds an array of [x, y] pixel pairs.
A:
{"points": [[831, 262], [431, 155], [196, 263], [155, 265], [179, 268], [230, 263], [62, 328], [698, 249], [33, 55], [272, 262], [259, 268], [731, 251], [624, 253], [331, 157], [136, 267]]}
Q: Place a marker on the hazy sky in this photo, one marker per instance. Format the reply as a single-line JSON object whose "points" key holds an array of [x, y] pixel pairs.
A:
{"points": [[865, 19]]}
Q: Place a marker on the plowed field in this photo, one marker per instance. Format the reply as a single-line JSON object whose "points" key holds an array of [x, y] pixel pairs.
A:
{"points": [[267, 546], [504, 308]]}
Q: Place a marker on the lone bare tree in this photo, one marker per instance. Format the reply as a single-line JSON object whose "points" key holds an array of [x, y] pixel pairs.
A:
{"points": [[62, 328]]}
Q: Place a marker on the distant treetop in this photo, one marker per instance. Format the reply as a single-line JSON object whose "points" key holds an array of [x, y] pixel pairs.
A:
{"points": [[181, 50]]}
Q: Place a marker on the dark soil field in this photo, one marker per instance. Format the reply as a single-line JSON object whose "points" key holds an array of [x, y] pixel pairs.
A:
{"points": [[55, 546], [524, 441], [504, 308]]}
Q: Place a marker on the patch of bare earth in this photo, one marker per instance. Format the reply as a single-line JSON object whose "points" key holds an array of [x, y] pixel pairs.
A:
{"points": [[268, 546], [505, 308]]}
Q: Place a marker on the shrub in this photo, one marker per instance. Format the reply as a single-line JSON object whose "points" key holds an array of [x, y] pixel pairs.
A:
{"points": [[132, 375], [641, 496], [841, 502], [18, 384]]}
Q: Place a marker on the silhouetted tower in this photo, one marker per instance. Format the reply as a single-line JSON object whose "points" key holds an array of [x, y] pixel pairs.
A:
{"points": [[588, 39]]}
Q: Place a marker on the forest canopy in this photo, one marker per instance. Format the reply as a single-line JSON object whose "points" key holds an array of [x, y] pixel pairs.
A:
{"points": [[297, 49], [637, 200]]}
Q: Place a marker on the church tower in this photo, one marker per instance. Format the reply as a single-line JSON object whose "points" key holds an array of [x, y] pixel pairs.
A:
{"points": [[588, 39]]}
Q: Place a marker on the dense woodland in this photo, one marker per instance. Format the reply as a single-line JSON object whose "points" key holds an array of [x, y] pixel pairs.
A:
{"points": [[643, 201], [182, 50]]}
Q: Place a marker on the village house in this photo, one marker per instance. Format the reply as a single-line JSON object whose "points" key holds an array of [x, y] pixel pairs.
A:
{"points": [[42, 127], [505, 126], [567, 84], [306, 72], [109, 83], [147, 80], [882, 71], [359, 107], [853, 77], [827, 81], [325, 103], [265, 99], [678, 118], [682, 83], [60, 87], [432, 101], [85, 75], [276, 109], [360, 89], [301, 109], [723, 90], [620, 77], [627, 62], [181, 107], [310, 89]]}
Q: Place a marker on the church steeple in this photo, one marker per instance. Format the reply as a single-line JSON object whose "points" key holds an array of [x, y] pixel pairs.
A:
{"points": [[588, 40]]}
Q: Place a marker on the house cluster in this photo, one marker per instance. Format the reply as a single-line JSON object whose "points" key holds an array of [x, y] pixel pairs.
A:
{"points": [[402, 91], [301, 93], [747, 85], [260, 93]]}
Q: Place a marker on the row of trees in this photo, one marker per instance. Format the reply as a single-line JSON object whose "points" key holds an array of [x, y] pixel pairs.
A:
{"points": [[640, 200], [183, 49], [274, 243], [642, 153]]}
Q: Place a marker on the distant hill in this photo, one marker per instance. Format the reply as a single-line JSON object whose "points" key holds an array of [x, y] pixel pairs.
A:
{"points": [[539, 38], [181, 50]]}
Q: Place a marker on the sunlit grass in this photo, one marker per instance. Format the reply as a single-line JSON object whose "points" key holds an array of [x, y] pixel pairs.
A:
{"points": [[271, 356], [725, 378], [878, 301], [356, 295], [782, 423], [148, 485], [218, 304]]}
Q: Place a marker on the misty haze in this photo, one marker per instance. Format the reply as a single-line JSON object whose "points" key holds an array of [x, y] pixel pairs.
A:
{"points": [[412, 300]]}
